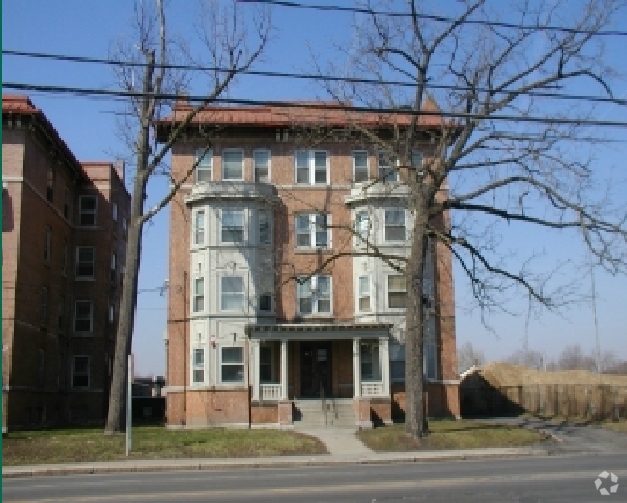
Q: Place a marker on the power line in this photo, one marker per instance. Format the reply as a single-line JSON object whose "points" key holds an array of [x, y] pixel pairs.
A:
{"points": [[433, 17], [306, 76], [286, 104]]}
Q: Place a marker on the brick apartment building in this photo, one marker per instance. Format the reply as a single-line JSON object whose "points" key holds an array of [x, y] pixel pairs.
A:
{"points": [[63, 250], [246, 344]]}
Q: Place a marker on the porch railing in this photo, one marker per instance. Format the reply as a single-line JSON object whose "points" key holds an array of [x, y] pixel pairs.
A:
{"points": [[371, 389], [270, 391]]}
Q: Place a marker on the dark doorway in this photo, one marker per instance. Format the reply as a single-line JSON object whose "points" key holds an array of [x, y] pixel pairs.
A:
{"points": [[315, 369]]}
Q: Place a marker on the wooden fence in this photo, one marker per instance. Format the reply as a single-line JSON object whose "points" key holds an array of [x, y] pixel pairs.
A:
{"points": [[594, 402]]}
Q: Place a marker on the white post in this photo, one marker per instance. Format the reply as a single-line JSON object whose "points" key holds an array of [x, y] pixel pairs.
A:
{"points": [[384, 354], [129, 401], [256, 382], [357, 367], [283, 369]]}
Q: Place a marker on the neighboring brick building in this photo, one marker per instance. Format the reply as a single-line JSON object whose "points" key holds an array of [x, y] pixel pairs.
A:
{"points": [[63, 244], [273, 197]]}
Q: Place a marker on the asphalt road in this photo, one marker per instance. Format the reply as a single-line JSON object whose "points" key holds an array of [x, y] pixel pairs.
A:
{"points": [[565, 478]]}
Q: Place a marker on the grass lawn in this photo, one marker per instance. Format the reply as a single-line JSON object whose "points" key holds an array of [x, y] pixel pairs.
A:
{"points": [[449, 434], [151, 442]]}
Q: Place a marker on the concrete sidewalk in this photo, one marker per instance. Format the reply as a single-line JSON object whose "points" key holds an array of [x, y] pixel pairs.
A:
{"points": [[343, 447]]}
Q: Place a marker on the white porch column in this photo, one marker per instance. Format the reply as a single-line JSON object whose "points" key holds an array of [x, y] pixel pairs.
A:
{"points": [[283, 369], [384, 352], [256, 382], [357, 367]]}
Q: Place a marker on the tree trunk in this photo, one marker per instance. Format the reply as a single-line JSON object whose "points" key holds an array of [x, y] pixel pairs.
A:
{"points": [[124, 336], [415, 422]]}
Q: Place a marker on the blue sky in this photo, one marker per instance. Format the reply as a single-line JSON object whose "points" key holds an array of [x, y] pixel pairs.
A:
{"points": [[88, 28]]}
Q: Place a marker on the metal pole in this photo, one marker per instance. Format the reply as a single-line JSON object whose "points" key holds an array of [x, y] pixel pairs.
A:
{"points": [[129, 396]]}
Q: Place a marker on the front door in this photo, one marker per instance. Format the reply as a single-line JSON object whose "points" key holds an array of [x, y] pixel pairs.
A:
{"points": [[315, 369]]}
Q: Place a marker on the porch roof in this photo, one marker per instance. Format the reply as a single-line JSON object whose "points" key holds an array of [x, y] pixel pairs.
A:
{"points": [[318, 331]]}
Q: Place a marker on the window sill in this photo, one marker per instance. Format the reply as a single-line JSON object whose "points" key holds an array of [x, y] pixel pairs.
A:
{"points": [[83, 335], [84, 278], [311, 251]]}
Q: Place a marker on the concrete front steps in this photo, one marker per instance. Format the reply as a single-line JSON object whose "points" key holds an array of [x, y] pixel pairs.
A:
{"points": [[309, 413]]}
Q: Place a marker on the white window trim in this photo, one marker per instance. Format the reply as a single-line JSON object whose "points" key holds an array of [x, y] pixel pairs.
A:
{"points": [[404, 240], [76, 263], [196, 228], [203, 167], [266, 150], [226, 151], [360, 296], [369, 237], [196, 295], [81, 211], [268, 215], [376, 363], [313, 244], [194, 366], [244, 296], [244, 227], [91, 318], [311, 165], [355, 166], [385, 154], [314, 300], [74, 371], [243, 363], [387, 293]]}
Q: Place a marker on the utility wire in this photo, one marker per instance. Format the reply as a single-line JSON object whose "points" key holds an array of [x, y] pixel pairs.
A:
{"points": [[433, 17], [308, 76], [287, 104]]}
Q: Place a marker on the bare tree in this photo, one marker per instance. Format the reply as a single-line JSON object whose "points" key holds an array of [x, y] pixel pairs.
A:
{"points": [[467, 356], [227, 39], [528, 358], [511, 153]]}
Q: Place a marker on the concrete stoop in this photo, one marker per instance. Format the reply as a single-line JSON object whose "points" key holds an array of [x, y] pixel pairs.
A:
{"points": [[339, 413]]}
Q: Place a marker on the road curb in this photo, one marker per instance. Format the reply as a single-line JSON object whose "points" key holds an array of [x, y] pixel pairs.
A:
{"points": [[224, 464]]}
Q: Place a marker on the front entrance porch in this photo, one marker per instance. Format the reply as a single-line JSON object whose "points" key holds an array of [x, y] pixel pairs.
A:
{"points": [[331, 365]]}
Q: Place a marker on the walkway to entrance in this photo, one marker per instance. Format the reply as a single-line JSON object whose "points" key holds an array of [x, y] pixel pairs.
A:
{"points": [[340, 442]]}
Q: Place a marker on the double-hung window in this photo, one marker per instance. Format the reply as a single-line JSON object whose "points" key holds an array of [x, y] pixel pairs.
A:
{"points": [[395, 225], [364, 293], [114, 265], [43, 321], [80, 372], [397, 362], [232, 226], [84, 262], [261, 161], [232, 293], [265, 235], [115, 212], [50, 178], [416, 164], [232, 364], [387, 168], [88, 209], [204, 165], [363, 225], [83, 316], [397, 291], [311, 167], [360, 166], [265, 363], [232, 164], [198, 366], [199, 231], [199, 295], [314, 295], [370, 361], [48, 245], [313, 231]]}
